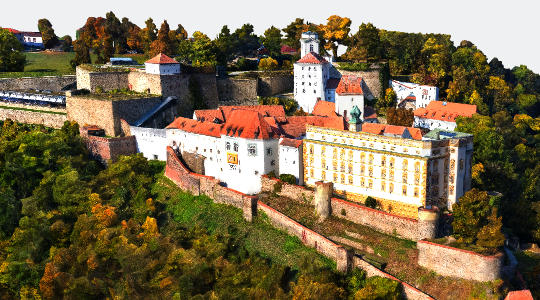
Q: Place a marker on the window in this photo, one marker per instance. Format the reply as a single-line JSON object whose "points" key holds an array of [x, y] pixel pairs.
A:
{"points": [[383, 173], [342, 154], [404, 190], [461, 164], [350, 168], [416, 178], [451, 190], [311, 48], [362, 182], [417, 167], [391, 162], [269, 151], [350, 180], [350, 154], [383, 186], [405, 164], [334, 153], [416, 192], [252, 149], [370, 171], [155, 156], [362, 170], [311, 149], [371, 159], [370, 184], [391, 188], [362, 157], [323, 175], [228, 146], [311, 173], [342, 167], [273, 163], [404, 177], [323, 163], [335, 178], [383, 161], [391, 174], [235, 147], [334, 165], [342, 179]]}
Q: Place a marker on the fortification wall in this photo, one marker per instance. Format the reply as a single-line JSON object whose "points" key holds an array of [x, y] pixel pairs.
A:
{"points": [[237, 91], [371, 78], [109, 149], [106, 113], [52, 83], [273, 85], [292, 191], [107, 81], [14, 105], [449, 261], [209, 88], [33, 117]]}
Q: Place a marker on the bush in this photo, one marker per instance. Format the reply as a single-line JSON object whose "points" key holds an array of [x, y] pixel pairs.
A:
{"points": [[267, 64], [371, 202], [288, 178]]}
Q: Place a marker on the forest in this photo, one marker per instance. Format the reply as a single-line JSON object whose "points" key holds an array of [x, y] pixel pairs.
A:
{"points": [[73, 229]]}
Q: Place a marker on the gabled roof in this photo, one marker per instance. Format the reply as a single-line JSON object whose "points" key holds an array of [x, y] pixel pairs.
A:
{"points": [[312, 58], [161, 59], [332, 83], [290, 143], [324, 108], [445, 111], [209, 115], [247, 124], [392, 130], [275, 111], [295, 126], [350, 85], [194, 126]]}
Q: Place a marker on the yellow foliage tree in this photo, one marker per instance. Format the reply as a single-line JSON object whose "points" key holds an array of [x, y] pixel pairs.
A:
{"points": [[267, 64], [336, 32]]}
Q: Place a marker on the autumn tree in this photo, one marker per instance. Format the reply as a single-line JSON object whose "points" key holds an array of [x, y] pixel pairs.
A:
{"points": [[267, 64], [163, 43], [148, 35], [67, 43], [437, 57], [11, 57], [272, 40], [400, 116], [336, 31], [47, 33], [203, 51], [293, 32]]}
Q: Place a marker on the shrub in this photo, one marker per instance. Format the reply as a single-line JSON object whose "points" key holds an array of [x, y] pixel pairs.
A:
{"points": [[271, 174], [288, 178], [371, 202], [267, 64]]}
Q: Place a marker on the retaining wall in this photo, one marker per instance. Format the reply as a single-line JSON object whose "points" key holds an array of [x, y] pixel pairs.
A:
{"points": [[90, 80], [292, 191], [237, 91], [449, 261], [33, 117], [273, 85], [108, 149], [52, 83]]}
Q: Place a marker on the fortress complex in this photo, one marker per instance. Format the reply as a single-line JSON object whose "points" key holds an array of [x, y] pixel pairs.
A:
{"points": [[400, 168]]}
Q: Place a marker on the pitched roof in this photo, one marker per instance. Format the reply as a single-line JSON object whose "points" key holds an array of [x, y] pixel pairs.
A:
{"points": [[31, 34], [519, 295], [369, 113], [392, 130], [445, 111], [197, 127], [14, 31], [312, 58], [332, 83], [286, 49], [275, 111], [324, 108], [161, 59], [350, 85], [209, 115], [290, 142], [247, 124], [295, 126]]}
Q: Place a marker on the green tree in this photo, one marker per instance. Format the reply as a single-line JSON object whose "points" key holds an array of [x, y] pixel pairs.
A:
{"points": [[67, 43], [203, 50], [245, 41], [272, 41], [224, 45], [11, 57], [50, 39], [293, 32], [148, 34], [365, 44]]}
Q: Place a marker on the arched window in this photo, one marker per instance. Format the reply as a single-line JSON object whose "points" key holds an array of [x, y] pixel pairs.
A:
{"points": [[311, 48], [405, 164], [311, 151], [362, 157], [350, 155], [323, 175], [350, 168], [342, 166], [391, 162], [404, 177]]}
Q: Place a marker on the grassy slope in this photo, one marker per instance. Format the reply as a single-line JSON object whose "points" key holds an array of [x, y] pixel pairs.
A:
{"points": [[53, 64], [259, 236]]}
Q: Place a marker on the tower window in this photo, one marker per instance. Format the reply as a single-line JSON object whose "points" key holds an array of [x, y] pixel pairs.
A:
{"points": [[311, 48]]}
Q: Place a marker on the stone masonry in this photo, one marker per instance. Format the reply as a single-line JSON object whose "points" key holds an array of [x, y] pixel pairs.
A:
{"points": [[46, 119], [52, 83]]}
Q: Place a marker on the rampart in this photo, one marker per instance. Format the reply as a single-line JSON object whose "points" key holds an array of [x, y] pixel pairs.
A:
{"points": [[237, 91], [273, 85], [52, 83], [424, 227], [449, 261], [45, 118], [88, 110], [108, 149], [93, 80]]}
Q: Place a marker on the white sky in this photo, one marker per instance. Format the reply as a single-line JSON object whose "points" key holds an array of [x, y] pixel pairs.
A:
{"points": [[505, 29]]}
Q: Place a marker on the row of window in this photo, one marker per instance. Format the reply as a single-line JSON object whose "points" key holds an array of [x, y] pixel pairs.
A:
{"points": [[252, 149]]}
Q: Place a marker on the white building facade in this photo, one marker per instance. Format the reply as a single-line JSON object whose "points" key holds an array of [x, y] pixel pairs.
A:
{"points": [[418, 95], [162, 65], [291, 159]]}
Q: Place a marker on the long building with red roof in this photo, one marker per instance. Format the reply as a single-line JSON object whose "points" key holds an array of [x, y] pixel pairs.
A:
{"points": [[442, 115]]}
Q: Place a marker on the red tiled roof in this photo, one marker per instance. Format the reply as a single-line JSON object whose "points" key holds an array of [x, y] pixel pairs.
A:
{"points": [[194, 126], [275, 111], [291, 143], [31, 34], [285, 49], [350, 85], [209, 115], [445, 111], [519, 295], [312, 58], [380, 129], [161, 59], [332, 83], [247, 124], [324, 108], [295, 126], [369, 113]]}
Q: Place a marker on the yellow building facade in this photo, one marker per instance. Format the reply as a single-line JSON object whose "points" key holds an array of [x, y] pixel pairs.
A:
{"points": [[403, 174]]}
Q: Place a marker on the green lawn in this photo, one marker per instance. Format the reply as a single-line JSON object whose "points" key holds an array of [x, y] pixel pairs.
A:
{"points": [[53, 64]]}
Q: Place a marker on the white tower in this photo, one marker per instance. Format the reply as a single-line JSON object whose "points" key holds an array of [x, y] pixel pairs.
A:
{"points": [[309, 43]]}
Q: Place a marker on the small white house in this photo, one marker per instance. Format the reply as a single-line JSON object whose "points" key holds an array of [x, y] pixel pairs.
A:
{"points": [[349, 94], [162, 65], [413, 95], [442, 115], [291, 159]]}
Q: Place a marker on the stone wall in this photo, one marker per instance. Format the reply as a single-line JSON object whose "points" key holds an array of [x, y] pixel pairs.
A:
{"points": [[291, 191], [449, 261], [52, 83], [107, 81], [109, 149], [107, 114], [273, 85], [27, 106], [46, 119], [236, 91]]}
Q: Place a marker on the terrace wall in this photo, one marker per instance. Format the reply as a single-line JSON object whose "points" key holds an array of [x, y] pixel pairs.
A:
{"points": [[46, 119], [52, 83]]}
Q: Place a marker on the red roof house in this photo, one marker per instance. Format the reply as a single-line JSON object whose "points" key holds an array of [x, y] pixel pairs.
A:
{"points": [[350, 85], [312, 58], [445, 111], [161, 59]]}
